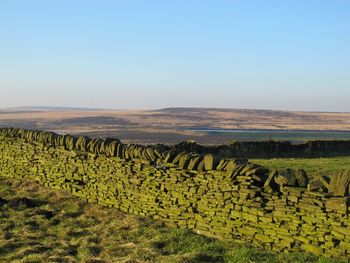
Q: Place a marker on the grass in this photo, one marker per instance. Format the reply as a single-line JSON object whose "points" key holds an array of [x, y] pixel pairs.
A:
{"points": [[313, 167], [43, 225]]}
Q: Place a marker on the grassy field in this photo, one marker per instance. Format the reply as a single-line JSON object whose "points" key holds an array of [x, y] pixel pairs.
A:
{"points": [[43, 225], [313, 166]]}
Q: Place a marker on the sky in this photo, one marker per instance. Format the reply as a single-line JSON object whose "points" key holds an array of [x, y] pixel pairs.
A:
{"points": [[288, 55]]}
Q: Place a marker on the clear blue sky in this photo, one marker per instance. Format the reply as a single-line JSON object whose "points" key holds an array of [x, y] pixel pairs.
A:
{"points": [[152, 54]]}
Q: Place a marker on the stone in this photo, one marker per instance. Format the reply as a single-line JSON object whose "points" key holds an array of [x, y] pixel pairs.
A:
{"points": [[338, 204], [263, 238], [270, 185], [302, 178], [317, 184], [194, 162], [210, 162], [316, 250], [339, 184], [285, 177]]}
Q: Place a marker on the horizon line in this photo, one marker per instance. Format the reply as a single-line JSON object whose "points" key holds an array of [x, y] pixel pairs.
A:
{"points": [[83, 108]]}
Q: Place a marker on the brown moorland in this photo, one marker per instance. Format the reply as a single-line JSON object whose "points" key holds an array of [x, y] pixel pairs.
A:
{"points": [[169, 125]]}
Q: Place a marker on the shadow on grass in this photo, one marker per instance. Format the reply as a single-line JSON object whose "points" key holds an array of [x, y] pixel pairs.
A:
{"points": [[18, 203]]}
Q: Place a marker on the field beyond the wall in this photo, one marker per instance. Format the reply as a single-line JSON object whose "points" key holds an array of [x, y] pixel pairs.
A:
{"points": [[312, 166], [38, 224]]}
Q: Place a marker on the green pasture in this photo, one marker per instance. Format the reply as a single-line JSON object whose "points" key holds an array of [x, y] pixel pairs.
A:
{"points": [[313, 166]]}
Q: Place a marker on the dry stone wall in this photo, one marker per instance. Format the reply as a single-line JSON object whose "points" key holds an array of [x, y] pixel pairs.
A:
{"points": [[281, 210]]}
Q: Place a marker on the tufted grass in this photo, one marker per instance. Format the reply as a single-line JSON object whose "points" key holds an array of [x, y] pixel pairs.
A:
{"points": [[42, 225]]}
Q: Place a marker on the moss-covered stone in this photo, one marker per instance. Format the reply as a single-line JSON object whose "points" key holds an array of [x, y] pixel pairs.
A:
{"points": [[339, 184]]}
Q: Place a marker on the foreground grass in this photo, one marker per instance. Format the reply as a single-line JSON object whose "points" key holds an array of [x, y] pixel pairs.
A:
{"points": [[43, 225], [313, 166]]}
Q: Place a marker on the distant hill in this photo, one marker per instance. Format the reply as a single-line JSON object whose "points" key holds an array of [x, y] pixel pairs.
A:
{"points": [[45, 109], [261, 111]]}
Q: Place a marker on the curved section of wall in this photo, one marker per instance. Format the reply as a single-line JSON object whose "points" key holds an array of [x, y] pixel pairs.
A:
{"points": [[226, 198]]}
